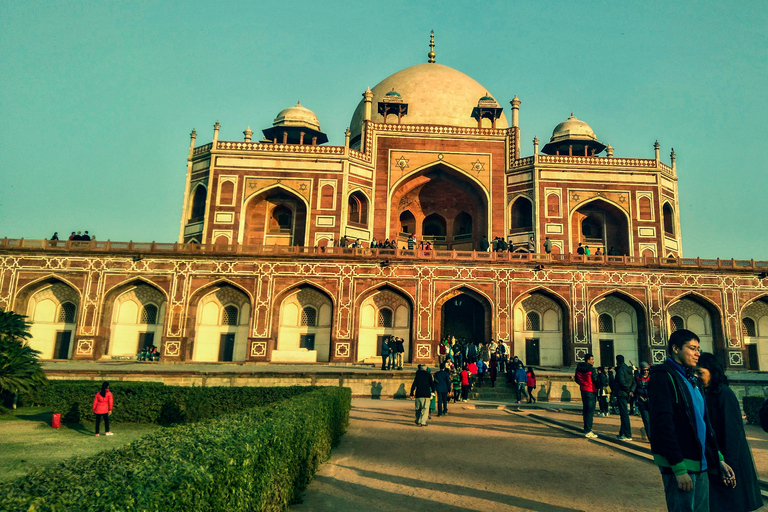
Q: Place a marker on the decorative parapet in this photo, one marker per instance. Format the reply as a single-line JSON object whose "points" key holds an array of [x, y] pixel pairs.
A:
{"points": [[595, 161], [441, 130], [202, 149], [280, 148]]}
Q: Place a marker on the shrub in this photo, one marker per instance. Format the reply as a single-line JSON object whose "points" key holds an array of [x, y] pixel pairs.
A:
{"points": [[154, 402], [259, 459], [752, 405]]}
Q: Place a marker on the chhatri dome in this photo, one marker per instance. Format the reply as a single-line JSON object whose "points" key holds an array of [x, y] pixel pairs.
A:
{"points": [[296, 124], [573, 136], [435, 94]]}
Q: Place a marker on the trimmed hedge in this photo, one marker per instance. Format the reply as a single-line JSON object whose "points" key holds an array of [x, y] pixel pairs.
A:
{"points": [[260, 459], [154, 402], [752, 405]]}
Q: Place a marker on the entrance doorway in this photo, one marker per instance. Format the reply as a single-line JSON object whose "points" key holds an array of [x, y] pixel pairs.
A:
{"points": [[606, 353], [753, 363], [464, 318], [532, 353], [61, 349], [227, 347]]}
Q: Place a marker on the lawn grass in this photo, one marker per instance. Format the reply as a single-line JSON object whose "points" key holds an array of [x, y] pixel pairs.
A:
{"points": [[28, 442]]}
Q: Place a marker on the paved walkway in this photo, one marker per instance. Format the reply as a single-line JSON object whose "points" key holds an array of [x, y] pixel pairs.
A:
{"points": [[475, 459]]}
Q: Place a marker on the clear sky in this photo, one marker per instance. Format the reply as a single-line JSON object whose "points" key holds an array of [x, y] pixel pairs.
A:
{"points": [[97, 99]]}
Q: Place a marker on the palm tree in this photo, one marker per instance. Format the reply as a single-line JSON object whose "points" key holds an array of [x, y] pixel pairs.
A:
{"points": [[20, 369]]}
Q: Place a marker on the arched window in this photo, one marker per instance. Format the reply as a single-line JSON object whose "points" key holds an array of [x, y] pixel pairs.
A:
{"points": [[605, 323], [407, 222], [676, 323], [591, 228], [67, 313], [326, 197], [230, 316], [532, 321], [522, 216], [358, 209], [669, 220], [197, 211], [748, 328], [281, 220], [385, 317], [434, 225], [462, 224], [149, 314], [309, 316], [227, 193]]}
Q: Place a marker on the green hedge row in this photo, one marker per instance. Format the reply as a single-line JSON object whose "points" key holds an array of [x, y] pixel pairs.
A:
{"points": [[752, 405], [260, 459], [153, 402]]}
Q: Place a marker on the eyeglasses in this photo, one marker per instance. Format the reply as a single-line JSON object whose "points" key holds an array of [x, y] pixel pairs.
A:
{"points": [[693, 349]]}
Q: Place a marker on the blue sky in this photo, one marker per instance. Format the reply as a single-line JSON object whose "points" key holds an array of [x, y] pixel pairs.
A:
{"points": [[98, 98]]}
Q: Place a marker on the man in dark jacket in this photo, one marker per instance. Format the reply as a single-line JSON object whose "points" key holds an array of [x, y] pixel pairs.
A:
{"points": [[422, 388], [384, 352], [683, 443], [586, 377], [442, 388], [625, 387]]}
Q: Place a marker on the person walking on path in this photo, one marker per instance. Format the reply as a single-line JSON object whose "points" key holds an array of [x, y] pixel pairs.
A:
{"points": [[625, 387], [384, 353], [521, 379], [464, 383], [725, 416], [481, 369], [102, 408], [530, 383], [456, 381], [602, 391], [683, 443], [585, 377], [422, 388], [400, 352], [442, 388], [392, 352], [641, 395]]}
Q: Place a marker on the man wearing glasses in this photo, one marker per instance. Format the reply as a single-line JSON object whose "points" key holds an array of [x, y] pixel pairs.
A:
{"points": [[682, 441]]}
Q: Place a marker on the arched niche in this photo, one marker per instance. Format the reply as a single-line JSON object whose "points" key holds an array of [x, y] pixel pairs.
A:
{"points": [[703, 318], [439, 190], [601, 225], [52, 307], [539, 343], [133, 327], [276, 216], [221, 325], [304, 328], [754, 318], [197, 204], [627, 335], [383, 313], [521, 216]]}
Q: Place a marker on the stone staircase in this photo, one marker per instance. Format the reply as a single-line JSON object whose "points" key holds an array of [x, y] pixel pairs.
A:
{"points": [[502, 391]]}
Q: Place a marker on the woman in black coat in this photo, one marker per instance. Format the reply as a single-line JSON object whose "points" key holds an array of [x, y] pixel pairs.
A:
{"points": [[725, 416]]}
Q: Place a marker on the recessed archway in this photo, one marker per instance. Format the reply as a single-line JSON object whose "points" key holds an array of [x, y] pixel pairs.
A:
{"points": [[601, 224], [703, 318], [466, 314], [618, 326], [276, 216]]}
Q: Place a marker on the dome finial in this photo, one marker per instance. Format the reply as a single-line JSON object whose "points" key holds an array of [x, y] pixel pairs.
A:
{"points": [[431, 53]]}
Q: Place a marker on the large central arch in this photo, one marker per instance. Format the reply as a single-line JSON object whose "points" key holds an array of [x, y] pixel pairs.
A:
{"points": [[465, 314], [276, 216], [441, 205], [601, 224]]}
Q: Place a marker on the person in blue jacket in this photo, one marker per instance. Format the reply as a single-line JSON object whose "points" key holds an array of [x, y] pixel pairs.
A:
{"points": [[520, 380]]}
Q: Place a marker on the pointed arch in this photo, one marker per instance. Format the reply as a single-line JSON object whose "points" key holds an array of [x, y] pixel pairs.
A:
{"points": [[562, 344], [256, 220], [120, 339], [22, 295], [287, 336], [715, 319], [641, 341], [623, 229], [367, 335], [197, 204]]}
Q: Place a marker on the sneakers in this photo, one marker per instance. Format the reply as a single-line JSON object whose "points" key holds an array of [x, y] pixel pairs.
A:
{"points": [[590, 435], [623, 438], [97, 435], [108, 434]]}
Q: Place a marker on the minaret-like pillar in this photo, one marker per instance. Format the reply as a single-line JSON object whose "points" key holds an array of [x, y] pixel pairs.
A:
{"points": [[347, 134], [193, 136], [368, 96], [656, 148], [515, 111], [248, 133], [301, 138], [609, 151], [535, 150], [215, 134], [672, 158]]}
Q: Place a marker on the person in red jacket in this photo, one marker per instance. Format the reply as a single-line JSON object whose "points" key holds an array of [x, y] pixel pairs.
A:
{"points": [[586, 376], [530, 383], [102, 408]]}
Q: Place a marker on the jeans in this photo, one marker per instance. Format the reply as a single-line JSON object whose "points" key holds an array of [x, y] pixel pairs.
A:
{"points": [[442, 402], [384, 360], [587, 409], [603, 401], [531, 398], [626, 428], [696, 500], [521, 391], [464, 391], [106, 422], [642, 408], [422, 410], [392, 358], [399, 360]]}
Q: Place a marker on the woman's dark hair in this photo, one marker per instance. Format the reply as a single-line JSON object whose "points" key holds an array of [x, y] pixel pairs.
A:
{"points": [[680, 337], [530, 369], [716, 372], [104, 387]]}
